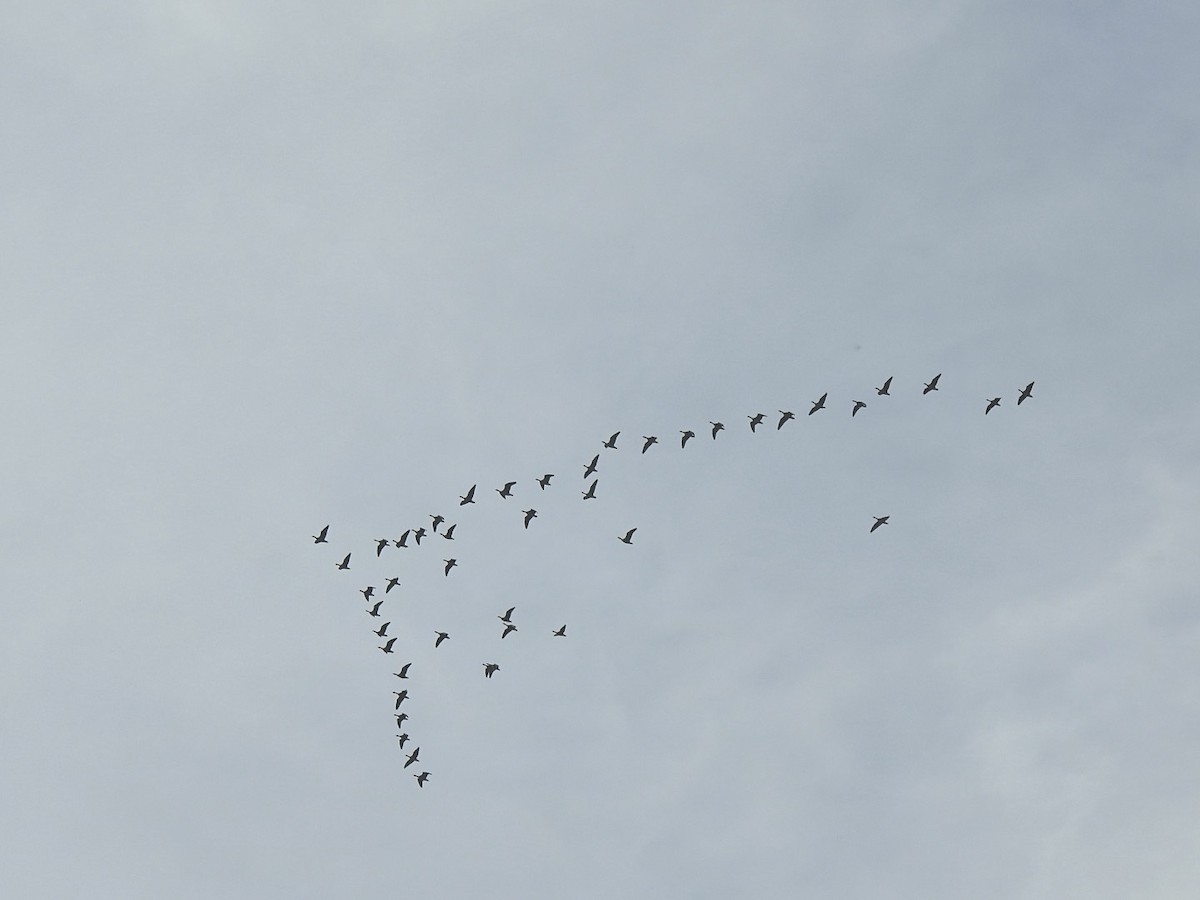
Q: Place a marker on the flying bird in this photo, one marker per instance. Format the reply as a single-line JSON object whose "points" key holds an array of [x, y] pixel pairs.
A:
{"points": [[401, 696], [382, 632], [387, 648], [887, 386], [507, 628], [320, 538], [412, 757], [374, 610], [628, 538], [858, 404], [450, 564], [506, 491], [418, 534], [403, 738], [530, 514], [756, 420], [932, 386], [468, 497], [437, 520], [590, 493], [441, 636], [402, 541], [421, 779], [991, 404], [544, 480], [562, 632], [345, 563], [611, 443], [879, 520], [448, 534], [367, 591], [717, 426], [403, 673], [400, 717], [784, 415], [507, 617], [590, 469], [818, 404], [392, 582], [1025, 395], [489, 669], [380, 543], [649, 440], [687, 436]]}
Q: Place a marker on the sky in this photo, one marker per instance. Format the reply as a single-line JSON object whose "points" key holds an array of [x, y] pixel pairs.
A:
{"points": [[274, 266]]}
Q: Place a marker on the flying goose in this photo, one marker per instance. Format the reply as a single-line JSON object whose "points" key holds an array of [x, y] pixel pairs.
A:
{"points": [[562, 632], [387, 647], [784, 415], [879, 520], [448, 534], [402, 541], [590, 493], [450, 564], [628, 538], [756, 420], [507, 628], [717, 426], [421, 779], [320, 538], [1025, 395], [506, 491], [651, 439], [544, 480], [403, 673], [345, 563], [858, 404], [441, 636], [380, 543], [418, 534], [932, 386], [489, 669], [392, 582], [382, 632], [468, 497], [611, 443], [507, 617], [818, 404], [590, 469], [367, 591], [437, 520], [401, 696], [687, 436], [374, 610], [887, 386], [530, 515], [991, 404], [412, 757], [403, 738]]}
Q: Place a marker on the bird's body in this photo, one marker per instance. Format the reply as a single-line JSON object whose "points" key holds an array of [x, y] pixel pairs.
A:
{"points": [[650, 440], [441, 636], [932, 385], [401, 696], [320, 537], [879, 520], [818, 404], [628, 537], [687, 436], [382, 632], [380, 543], [374, 610], [784, 415], [403, 673], [562, 632], [400, 717], [858, 404], [437, 520], [391, 583], [403, 738], [412, 757], [756, 420], [1025, 395], [530, 515], [387, 647], [402, 541], [716, 426], [991, 404], [368, 592], [507, 617], [345, 563], [421, 779], [611, 443], [590, 469], [448, 534], [468, 497], [887, 386], [507, 628], [418, 534], [450, 564], [506, 491], [489, 669], [590, 493], [545, 480]]}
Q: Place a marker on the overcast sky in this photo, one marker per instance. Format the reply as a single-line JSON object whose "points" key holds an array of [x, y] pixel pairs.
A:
{"points": [[271, 266]]}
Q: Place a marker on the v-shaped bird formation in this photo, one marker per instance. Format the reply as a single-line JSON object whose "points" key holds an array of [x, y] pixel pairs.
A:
{"points": [[511, 488]]}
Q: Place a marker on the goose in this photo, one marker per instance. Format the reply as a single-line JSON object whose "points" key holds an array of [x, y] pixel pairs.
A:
{"points": [[530, 515], [412, 757], [374, 610], [858, 404], [403, 738], [818, 404], [450, 564], [611, 443], [402, 541], [590, 469], [437, 520], [1025, 395], [887, 386], [400, 717], [418, 534], [507, 617], [651, 439], [421, 779], [490, 669], [367, 592], [507, 628], [468, 497], [320, 538], [403, 673], [382, 632], [387, 647], [345, 563], [784, 415], [506, 491], [687, 436], [441, 636], [590, 493], [401, 696], [991, 404], [545, 480], [717, 426], [879, 520], [392, 582], [756, 420], [628, 538], [448, 534], [932, 386], [562, 632], [380, 543]]}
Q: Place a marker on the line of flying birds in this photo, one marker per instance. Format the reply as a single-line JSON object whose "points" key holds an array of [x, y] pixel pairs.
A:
{"points": [[506, 492]]}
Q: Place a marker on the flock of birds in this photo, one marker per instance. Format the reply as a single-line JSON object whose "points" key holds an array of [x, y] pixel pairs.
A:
{"points": [[506, 492]]}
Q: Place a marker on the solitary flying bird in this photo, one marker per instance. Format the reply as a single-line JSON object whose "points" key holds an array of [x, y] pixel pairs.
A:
{"points": [[628, 539], [401, 696], [562, 632], [450, 564], [402, 541], [387, 648], [421, 779], [530, 514], [448, 534], [756, 420], [367, 591], [1025, 395], [489, 669], [590, 493], [879, 520], [382, 632], [590, 469], [380, 543], [412, 757], [784, 416], [818, 404], [717, 426], [932, 386], [374, 610], [507, 628], [403, 673], [611, 443], [858, 404], [320, 538], [506, 491], [507, 617], [649, 440], [418, 534], [437, 520], [887, 385], [468, 497], [345, 563], [544, 480], [994, 402], [392, 582], [441, 636], [687, 436]]}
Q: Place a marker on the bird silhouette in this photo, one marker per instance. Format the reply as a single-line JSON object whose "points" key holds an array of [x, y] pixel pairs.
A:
{"points": [[468, 497], [374, 610], [421, 779], [611, 443], [784, 415], [879, 520], [403, 738], [991, 404], [887, 386], [490, 669], [717, 426], [403, 673], [450, 564], [1025, 395], [400, 717], [437, 520], [590, 493], [380, 543], [507, 617], [858, 404], [507, 628], [402, 541], [590, 469], [367, 592], [651, 439], [448, 534], [530, 515], [441, 636], [412, 757], [628, 538], [932, 385], [387, 647], [544, 480], [687, 436], [392, 582], [756, 420], [506, 491], [320, 538], [562, 632], [345, 563], [818, 404], [382, 632], [418, 534], [401, 696]]}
